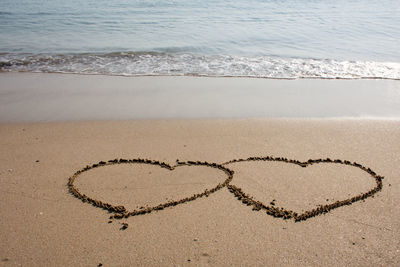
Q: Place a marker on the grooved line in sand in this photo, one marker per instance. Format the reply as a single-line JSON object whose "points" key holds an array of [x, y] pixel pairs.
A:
{"points": [[120, 212], [321, 209]]}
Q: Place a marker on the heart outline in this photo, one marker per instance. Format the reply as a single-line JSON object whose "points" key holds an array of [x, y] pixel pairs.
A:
{"points": [[120, 211], [280, 212]]}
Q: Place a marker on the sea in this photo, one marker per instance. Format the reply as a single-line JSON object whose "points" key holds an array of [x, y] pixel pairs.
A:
{"points": [[272, 39]]}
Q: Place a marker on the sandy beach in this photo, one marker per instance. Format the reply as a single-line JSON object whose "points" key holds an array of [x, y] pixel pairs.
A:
{"points": [[53, 125]]}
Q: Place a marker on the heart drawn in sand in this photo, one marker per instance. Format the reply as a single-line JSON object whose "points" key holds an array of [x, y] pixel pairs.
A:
{"points": [[120, 211], [321, 209]]}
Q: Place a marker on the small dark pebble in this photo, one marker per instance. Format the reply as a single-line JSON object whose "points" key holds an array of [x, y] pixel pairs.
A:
{"points": [[354, 243], [100, 264], [109, 221], [189, 260], [124, 226], [390, 185], [5, 259], [37, 160]]}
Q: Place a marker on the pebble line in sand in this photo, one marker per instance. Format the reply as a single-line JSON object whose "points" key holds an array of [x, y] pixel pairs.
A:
{"points": [[278, 212], [281, 212], [120, 211]]}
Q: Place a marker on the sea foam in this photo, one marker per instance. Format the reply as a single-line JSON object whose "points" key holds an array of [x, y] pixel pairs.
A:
{"points": [[185, 64]]}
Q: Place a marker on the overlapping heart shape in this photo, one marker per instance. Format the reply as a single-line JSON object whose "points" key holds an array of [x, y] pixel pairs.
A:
{"points": [[285, 213], [120, 211]]}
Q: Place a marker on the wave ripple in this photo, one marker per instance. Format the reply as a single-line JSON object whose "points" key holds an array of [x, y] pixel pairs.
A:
{"points": [[186, 64]]}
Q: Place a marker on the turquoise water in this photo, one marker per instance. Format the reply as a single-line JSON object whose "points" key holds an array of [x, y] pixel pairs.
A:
{"points": [[271, 39]]}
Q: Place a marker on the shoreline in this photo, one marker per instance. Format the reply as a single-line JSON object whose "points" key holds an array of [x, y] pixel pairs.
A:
{"points": [[67, 97], [372, 78]]}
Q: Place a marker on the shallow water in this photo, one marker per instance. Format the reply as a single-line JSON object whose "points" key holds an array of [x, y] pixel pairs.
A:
{"points": [[272, 39]]}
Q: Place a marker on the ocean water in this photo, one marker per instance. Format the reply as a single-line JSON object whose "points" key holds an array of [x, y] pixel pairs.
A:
{"points": [[348, 39]]}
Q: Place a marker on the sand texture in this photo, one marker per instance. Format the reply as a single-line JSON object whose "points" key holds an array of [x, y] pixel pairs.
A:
{"points": [[184, 200]]}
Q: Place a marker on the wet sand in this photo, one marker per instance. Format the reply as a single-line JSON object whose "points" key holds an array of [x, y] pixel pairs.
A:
{"points": [[27, 97], [168, 160]]}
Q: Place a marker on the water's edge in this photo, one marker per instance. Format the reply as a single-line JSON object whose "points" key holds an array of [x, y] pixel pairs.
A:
{"points": [[187, 64], [70, 97]]}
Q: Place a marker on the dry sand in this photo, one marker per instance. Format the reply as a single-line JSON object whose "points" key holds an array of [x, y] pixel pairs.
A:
{"points": [[43, 225], [53, 125]]}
